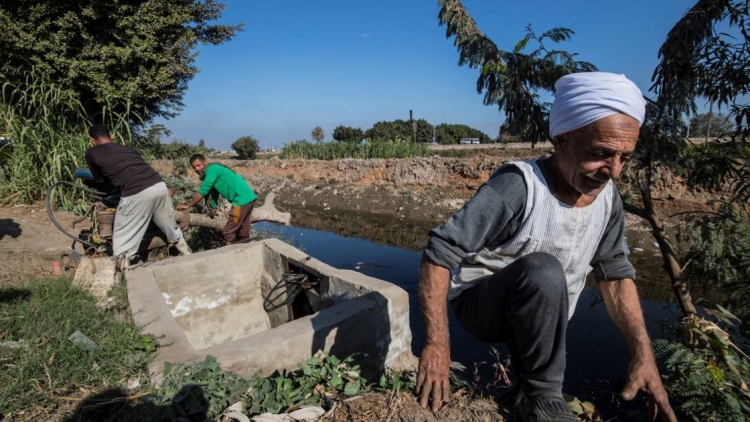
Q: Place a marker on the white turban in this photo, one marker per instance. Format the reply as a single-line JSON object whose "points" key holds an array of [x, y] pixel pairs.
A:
{"points": [[583, 98]]}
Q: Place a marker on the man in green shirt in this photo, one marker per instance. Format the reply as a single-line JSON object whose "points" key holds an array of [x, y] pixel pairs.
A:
{"points": [[222, 180]]}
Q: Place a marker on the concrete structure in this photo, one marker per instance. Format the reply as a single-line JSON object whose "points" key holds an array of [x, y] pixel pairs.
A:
{"points": [[267, 306]]}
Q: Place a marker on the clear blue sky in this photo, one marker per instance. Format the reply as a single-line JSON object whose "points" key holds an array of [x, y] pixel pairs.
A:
{"points": [[302, 63]]}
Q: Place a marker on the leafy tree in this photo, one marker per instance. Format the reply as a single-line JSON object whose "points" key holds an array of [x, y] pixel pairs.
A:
{"points": [[702, 125], [347, 134], [318, 134], [512, 79], [396, 130], [246, 147], [393, 131], [424, 131], [155, 132], [452, 133], [126, 55], [202, 144]]}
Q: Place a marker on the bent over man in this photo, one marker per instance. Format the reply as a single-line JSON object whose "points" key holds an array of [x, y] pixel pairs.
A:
{"points": [[513, 261], [144, 195], [222, 180]]}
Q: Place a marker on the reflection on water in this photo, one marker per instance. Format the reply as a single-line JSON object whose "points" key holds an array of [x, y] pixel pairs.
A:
{"points": [[653, 282], [383, 230], [597, 356]]}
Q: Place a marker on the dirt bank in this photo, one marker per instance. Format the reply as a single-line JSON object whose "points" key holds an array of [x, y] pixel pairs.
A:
{"points": [[29, 243], [425, 189], [372, 199]]}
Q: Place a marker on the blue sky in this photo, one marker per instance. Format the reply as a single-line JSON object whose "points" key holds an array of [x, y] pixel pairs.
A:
{"points": [[299, 64]]}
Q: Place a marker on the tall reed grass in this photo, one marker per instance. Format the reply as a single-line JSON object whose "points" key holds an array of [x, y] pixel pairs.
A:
{"points": [[338, 150], [48, 132]]}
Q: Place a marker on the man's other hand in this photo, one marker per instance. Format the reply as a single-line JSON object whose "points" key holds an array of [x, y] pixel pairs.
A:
{"points": [[432, 376], [643, 375], [182, 207]]}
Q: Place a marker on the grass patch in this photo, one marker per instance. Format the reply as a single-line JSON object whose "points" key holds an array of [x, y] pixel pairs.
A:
{"points": [[50, 374], [469, 152], [47, 130], [48, 368], [339, 150]]}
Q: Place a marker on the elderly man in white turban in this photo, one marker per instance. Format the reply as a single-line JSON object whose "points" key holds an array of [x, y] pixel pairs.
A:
{"points": [[513, 261]]}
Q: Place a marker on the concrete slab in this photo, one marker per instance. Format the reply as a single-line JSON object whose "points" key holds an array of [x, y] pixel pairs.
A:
{"points": [[251, 307]]}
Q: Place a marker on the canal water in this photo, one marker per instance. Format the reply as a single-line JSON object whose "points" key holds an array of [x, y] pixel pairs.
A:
{"points": [[389, 250]]}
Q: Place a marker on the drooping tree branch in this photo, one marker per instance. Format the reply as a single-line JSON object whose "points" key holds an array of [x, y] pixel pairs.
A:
{"points": [[511, 79]]}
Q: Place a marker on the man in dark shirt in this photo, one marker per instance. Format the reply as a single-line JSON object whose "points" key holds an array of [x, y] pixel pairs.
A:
{"points": [[144, 195]]}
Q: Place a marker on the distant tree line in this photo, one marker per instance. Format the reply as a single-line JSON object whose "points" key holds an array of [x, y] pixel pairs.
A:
{"points": [[398, 130]]}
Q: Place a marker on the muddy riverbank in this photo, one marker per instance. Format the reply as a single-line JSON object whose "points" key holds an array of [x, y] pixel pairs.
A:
{"points": [[427, 189], [397, 201]]}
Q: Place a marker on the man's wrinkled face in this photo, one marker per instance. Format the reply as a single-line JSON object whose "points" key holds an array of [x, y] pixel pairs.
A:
{"points": [[199, 166], [588, 157]]}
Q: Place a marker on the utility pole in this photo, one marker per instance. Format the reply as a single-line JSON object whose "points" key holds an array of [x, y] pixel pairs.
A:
{"points": [[413, 126]]}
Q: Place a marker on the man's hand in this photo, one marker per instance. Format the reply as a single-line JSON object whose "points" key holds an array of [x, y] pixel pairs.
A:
{"points": [[621, 299], [432, 376], [187, 206], [643, 375], [435, 361]]}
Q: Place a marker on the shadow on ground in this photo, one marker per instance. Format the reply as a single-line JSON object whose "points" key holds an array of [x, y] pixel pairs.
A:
{"points": [[115, 404], [12, 294], [8, 227]]}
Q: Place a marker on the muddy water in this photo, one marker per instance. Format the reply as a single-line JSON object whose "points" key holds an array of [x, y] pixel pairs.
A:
{"points": [[388, 248], [653, 282]]}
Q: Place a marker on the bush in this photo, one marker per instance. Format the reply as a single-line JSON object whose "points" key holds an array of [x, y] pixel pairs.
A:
{"points": [[246, 147]]}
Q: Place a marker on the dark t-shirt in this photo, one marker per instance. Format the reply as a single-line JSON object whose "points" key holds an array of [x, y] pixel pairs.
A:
{"points": [[121, 166]]}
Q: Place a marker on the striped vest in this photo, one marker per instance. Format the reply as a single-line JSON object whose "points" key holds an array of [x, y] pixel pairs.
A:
{"points": [[570, 234]]}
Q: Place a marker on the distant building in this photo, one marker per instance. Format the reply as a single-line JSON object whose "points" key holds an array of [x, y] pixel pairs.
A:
{"points": [[469, 141]]}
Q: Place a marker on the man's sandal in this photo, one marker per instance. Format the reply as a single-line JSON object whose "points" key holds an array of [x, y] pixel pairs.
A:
{"points": [[545, 409]]}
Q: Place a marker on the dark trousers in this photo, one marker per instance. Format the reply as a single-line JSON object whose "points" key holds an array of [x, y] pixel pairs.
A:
{"points": [[526, 305], [238, 224]]}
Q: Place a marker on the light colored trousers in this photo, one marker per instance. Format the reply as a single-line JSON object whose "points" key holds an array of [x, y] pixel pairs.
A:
{"points": [[135, 212]]}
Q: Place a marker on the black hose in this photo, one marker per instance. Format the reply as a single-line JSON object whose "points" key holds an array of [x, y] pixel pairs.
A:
{"points": [[292, 285], [52, 216]]}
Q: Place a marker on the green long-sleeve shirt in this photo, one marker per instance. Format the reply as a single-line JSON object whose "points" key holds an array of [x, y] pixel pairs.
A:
{"points": [[228, 184]]}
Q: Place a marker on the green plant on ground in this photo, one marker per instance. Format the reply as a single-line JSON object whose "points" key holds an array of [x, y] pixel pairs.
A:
{"points": [[339, 150], [209, 390], [708, 376], [396, 381], [39, 318]]}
